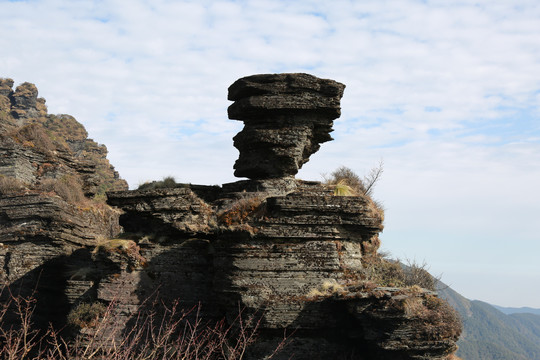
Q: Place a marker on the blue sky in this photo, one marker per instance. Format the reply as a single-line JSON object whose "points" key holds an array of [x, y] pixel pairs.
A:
{"points": [[446, 93]]}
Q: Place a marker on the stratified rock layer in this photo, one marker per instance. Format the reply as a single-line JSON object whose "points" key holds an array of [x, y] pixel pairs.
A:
{"points": [[286, 117], [47, 166], [35, 145], [288, 254], [267, 247]]}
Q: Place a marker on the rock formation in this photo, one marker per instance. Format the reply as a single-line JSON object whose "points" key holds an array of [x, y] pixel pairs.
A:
{"points": [[286, 117], [290, 254], [47, 166], [36, 146]]}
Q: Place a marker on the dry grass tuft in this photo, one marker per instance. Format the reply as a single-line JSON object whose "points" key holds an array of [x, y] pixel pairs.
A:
{"points": [[86, 315], [392, 273], [10, 185], [33, 135], [242, 210], [328, 288], [124, 247], [346, 182], [167, 182], [68, 188]]}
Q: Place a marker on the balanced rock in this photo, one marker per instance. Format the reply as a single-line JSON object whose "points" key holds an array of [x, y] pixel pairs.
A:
{"points": [[286, 117]]}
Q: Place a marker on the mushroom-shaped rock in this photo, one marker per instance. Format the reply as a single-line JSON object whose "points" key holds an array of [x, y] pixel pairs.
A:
{"points": [[286, 118]]}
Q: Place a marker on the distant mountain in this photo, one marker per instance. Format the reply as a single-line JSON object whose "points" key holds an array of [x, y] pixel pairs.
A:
{"points": [[513, 310], [490, 334]]}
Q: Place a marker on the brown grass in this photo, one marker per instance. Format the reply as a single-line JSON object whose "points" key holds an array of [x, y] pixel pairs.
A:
{"points": [[242, 210], [68, 188], [10, 185], [391, 273], [33, 135], [86, 315], [346, 182]]}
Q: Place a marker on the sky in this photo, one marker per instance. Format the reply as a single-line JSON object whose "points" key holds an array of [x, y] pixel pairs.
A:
{"points": [[445, 93]]}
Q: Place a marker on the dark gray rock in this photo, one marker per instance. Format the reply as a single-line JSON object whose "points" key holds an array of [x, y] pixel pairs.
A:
{"points": [[288, 254], [6, 86], [25, 101], [286, 117]]}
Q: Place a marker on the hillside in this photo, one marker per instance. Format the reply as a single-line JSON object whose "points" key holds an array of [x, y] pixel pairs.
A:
{"points": [[514, 310], [489, 334]]}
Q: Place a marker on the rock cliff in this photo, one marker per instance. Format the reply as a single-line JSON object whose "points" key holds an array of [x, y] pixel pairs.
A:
{"points": [[290, 253], [53, 181]]}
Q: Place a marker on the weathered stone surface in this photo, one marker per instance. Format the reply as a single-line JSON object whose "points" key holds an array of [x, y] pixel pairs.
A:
{"points": [[41, 216], [43, 234], [24, 101], [272, 94], [405, 323], [6, 86], [166, 211], [287, 252], [35, 145], [286, 116]]}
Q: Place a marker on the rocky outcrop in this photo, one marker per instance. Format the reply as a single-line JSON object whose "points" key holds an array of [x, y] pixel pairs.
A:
{"points": [[47, 166], [35, 146], [286, 117], [294, 257], [290, 255]]}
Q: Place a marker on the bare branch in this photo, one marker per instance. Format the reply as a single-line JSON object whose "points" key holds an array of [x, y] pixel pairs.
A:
{"points": [[371, 179]]}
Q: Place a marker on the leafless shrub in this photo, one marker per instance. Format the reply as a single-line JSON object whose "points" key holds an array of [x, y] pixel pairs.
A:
{"points": [[162, 332], [418, 274], [372, 178], [384, 272], [18, 337], [344, 177]]}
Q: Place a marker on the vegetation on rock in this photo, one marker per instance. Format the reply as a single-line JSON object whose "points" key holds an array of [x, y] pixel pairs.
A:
{"points": [[167, 182]]}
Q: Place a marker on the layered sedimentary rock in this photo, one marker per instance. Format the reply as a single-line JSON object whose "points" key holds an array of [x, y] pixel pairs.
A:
{"points": [[295, 258], [35, 145], [289, 254], [47, 166], [286, 117]]}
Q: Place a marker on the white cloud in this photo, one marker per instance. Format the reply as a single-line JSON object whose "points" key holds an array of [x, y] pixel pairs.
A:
{"points": [[150, 79]]}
